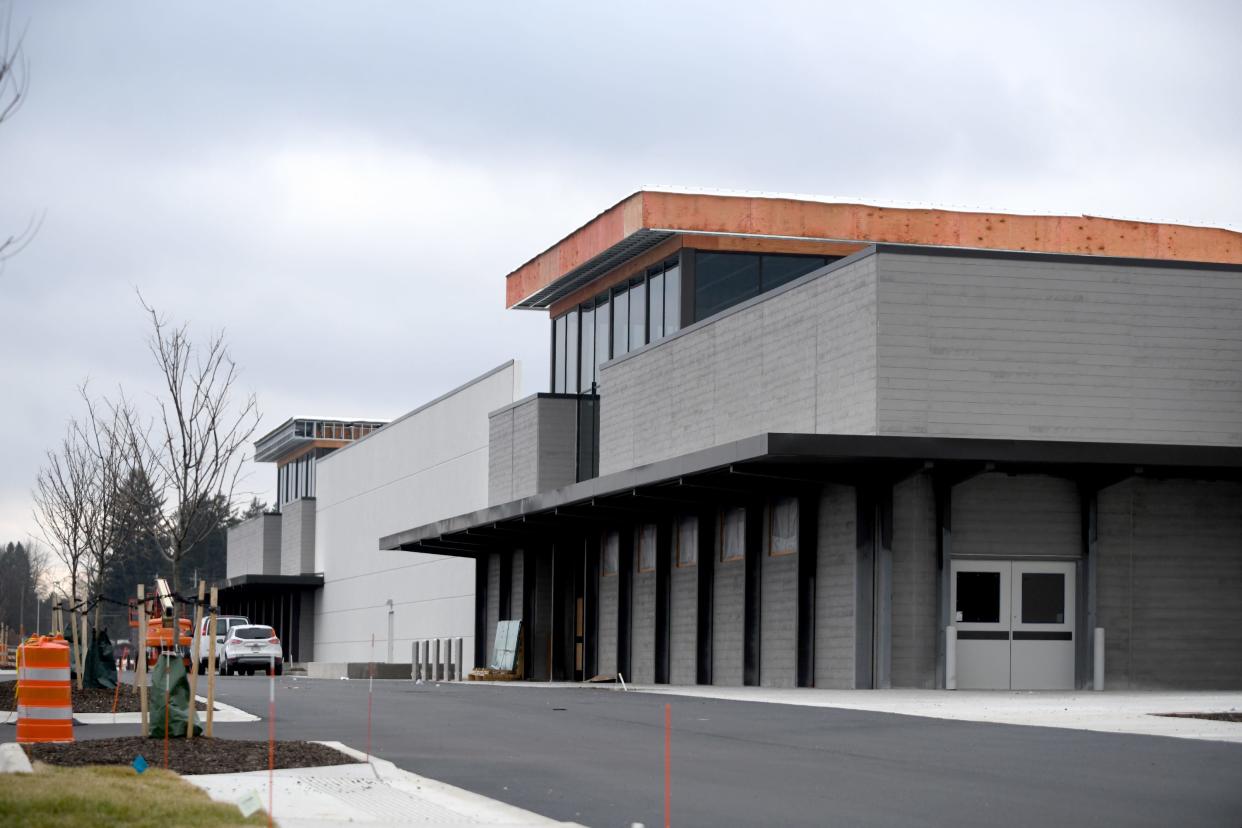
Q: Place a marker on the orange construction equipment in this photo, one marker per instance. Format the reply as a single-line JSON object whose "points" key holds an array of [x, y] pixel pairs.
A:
{"points": [[159, 610], [44, 704]]}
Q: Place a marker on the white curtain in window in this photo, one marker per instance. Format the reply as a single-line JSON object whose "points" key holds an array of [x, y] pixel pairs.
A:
{"points": [[784, 526], [687, 541], [733, 534], [646, 539], [611, 553]]}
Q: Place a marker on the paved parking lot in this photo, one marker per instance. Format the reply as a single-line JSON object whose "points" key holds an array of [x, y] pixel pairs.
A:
{"points": [[596, 756]]}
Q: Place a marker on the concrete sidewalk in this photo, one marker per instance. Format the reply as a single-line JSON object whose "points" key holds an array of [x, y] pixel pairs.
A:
{"points": [[374, 793], [1135, 712]]}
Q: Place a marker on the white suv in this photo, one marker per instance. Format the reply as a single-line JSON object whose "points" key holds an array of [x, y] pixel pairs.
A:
{"points": [[224, 623], [251, 647]]}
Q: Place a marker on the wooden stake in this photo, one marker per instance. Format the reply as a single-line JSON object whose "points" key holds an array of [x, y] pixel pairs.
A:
{"points": [[140, 659], [195, 647], [211, 663]]}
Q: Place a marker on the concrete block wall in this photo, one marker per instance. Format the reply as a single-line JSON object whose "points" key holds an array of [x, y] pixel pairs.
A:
{"points": [[608, 602], [834, 588], [297, 537], [1169, 591], [253, 547], [684, 620], [916, 582], [643, 626], [797, 360], [778, 625], [728, 621], [532, 447], [996, 515], [1038, 349], [493, 603]]}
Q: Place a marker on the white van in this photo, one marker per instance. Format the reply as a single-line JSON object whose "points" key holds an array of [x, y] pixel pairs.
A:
{"points": [[224, 623]]}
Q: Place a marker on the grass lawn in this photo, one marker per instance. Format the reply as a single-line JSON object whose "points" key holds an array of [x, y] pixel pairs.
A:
{"points": [[92, 797]]}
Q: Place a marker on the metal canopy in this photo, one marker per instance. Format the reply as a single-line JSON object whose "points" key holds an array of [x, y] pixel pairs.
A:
{"points": [[738, 472]]}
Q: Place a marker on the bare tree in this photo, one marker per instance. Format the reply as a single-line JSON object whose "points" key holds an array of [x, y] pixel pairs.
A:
{"points": [[107, 436], [14, 83], [194, 451], [62, 499]]}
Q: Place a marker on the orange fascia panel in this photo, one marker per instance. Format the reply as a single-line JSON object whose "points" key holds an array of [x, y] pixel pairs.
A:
{"points": [[791, 218]]}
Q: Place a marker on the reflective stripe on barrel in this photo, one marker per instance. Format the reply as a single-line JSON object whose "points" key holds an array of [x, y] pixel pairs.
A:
{"points": [[43, 674], [28, 712]]}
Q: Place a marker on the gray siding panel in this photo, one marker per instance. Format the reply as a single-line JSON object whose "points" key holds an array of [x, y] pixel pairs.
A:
{"points": [[834, 594], [1015, 349], [253, 547], [802, 360], [1029, 515], [778, 627], [728, 622], [915, 583], [608, 586], [297, 537], [642, 642], [1170, 584], [683, 636], [500, 457], [532, 447]]}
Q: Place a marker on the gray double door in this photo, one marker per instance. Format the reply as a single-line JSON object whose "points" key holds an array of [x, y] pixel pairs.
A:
{"points": [[1015, 624]]}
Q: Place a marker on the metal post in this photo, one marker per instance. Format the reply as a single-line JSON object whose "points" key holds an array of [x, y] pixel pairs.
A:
{"points": [[435, 659], [950, 658], [444, 667], [424, 658], [414, 660], [1098, 683], [459, 672]]}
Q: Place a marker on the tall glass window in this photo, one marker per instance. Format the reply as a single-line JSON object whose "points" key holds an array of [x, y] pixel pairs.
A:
{"points": [[620, 322], [777, 270], [571, 352], [558, 361], [587, 367], [672, 300], [723, 280], [638, 315], [603, 333], [655, 288]]}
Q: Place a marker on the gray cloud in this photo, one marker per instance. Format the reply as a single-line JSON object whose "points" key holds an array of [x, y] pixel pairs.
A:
{"points": [[343, 186]]}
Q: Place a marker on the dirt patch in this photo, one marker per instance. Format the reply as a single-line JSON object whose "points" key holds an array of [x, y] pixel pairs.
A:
{"points": [[1215, 717], [196, 756], [90, 700]]}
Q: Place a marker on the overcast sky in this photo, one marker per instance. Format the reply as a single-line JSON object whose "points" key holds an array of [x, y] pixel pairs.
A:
{"points": [[342, 187]]}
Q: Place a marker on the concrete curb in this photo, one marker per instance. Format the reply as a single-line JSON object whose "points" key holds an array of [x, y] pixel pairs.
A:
{"points": [[374, 792], [13, 759], [226, 713]]}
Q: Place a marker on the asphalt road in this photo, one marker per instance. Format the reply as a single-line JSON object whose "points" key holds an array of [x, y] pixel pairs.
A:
{"points": [[596, 756]]}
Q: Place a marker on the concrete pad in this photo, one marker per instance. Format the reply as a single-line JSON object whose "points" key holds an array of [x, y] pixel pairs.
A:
{"points": [[1108, 712], [377, 793], [13, 759]]}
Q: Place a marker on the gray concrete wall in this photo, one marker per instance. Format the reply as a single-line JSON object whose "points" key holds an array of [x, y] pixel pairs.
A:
{"points": [[728, 621], [916, 581], [297, 537], [834, 593], [778, 625], [801, 360], [515, 589], [253, 547], [608, 597], [1169, 591], [642, 640], [532, 447], [1028, 515], [1021, 349], [493, 603], [684, 620]]}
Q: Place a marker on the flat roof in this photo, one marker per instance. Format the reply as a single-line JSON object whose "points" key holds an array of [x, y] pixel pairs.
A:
{"points": [[763, 463], [648, 218]]}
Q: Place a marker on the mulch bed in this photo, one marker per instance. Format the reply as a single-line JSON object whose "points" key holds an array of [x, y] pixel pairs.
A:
{"points": [[1216, 717], [92, 700], [199, 755]]}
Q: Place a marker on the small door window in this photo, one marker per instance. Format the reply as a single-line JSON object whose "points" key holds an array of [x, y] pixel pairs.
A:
{"points": [[1043, 598], [978, 597]]}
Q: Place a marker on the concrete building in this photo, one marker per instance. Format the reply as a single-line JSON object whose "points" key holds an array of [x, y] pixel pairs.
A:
{"points": [[314, 569], [791, 442]]}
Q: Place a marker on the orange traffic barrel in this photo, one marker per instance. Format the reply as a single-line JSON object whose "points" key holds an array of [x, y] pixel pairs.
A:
{"points": [[44, 704]]}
